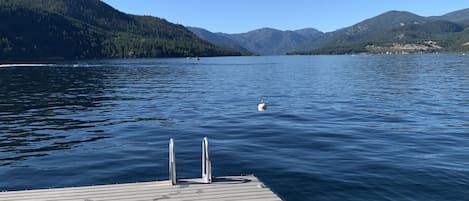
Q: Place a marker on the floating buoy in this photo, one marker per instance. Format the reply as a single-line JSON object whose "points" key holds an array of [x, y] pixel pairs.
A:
{"points": [[262, 106]]}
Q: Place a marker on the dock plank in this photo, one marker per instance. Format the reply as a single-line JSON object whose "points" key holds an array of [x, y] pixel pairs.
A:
{"points": [[231, 188]]}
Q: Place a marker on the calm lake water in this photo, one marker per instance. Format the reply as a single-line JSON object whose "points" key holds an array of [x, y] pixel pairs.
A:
{"points": [[383, 127]]}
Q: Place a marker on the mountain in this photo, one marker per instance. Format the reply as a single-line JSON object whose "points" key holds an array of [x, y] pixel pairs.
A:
{"points": [[268, 41], [363, 30], [265, 41], [218, 39], [309, 33], [79, 29], [456, 16], [397, 31], [428, 37]]}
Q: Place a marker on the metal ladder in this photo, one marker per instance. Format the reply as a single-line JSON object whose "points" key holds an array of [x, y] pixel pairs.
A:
{"points": [[206, 163]]}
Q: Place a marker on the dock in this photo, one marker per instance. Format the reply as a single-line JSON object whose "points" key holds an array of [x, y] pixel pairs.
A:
{"points": [[235, 188], [227, 188]]}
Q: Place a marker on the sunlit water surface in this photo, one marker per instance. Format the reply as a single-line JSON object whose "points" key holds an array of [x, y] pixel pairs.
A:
{"points": [[390, 127]]}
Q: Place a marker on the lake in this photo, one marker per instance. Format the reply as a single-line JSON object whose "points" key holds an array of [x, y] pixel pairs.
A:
{"points": [[365, 127]]}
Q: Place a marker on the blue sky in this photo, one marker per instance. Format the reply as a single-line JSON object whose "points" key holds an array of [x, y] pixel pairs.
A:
{"points": [[236, 16]]}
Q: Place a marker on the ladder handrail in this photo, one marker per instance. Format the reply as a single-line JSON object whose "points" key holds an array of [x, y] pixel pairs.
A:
{"points": [[206, 163], [172, 163]]}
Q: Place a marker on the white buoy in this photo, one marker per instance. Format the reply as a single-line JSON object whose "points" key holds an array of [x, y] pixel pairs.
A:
{"points": [[261, 107]]}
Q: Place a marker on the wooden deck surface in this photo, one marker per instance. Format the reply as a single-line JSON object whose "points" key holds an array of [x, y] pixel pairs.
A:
{"points": [[222, 188]]}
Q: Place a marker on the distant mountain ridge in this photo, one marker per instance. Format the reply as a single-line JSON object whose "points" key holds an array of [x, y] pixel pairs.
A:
{"points": [[83, 29], [218, 39], [362, 30], [88, 29], [309, 32], [264, 41], [389, 32], [396, 32], [455, 16]]}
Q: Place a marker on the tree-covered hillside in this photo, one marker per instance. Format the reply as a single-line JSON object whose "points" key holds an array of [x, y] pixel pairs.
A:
{"points": [[265, 41], [268, 41], [79, 29], [218, 39], [397, 32]]}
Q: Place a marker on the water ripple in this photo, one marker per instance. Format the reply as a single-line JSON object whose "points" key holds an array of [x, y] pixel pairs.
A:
{"points": [[382, 127]]}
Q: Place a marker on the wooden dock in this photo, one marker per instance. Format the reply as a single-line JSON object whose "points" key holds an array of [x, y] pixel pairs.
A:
{"points": [[222, 188]]}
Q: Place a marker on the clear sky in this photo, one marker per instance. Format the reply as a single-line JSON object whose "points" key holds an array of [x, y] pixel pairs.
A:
{"points": [[236, 16]]}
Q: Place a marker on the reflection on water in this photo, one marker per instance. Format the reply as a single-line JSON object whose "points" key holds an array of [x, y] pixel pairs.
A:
{"points": [[39, 106], [57, 107], [382, 127]]}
